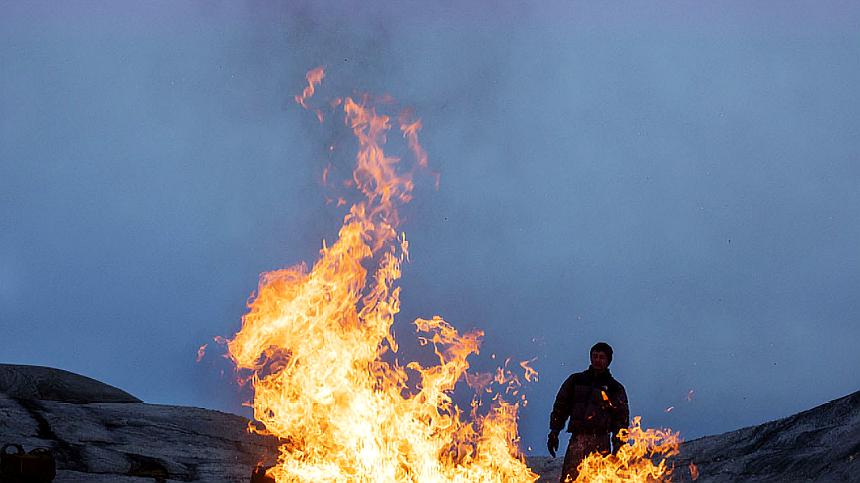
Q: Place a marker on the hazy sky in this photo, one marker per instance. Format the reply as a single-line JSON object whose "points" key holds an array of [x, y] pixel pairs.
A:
{"points": [[679, 179]]}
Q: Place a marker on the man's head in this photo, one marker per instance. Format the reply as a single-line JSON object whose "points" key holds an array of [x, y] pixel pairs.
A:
{"points": [[601, 356]]}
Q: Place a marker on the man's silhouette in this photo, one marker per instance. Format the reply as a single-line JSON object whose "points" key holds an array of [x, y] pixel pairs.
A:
{"points": [[596, 406]]}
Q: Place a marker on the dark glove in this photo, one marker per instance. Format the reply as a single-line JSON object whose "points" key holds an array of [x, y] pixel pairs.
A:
{"points": [[552, 442]]}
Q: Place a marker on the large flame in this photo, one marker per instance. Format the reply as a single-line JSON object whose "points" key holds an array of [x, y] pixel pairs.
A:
{"points": [[318, 345]]}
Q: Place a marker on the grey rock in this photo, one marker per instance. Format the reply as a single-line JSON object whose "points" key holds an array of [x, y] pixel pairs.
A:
{"points": [[136, 442], [99, 433], [548, 468], [45, 383], [820, 444]]}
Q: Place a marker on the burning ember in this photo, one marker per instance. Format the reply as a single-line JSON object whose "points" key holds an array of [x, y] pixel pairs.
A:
{"points": [[317, 344]]}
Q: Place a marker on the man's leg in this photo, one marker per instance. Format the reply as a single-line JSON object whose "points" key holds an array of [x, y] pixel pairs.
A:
{"points": [[572, 457], [580, 446]]}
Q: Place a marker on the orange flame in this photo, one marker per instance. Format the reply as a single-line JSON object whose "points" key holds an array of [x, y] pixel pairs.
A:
{"points": [[318, 346], [635, 460], [694, 471], [314, 78], [530, 374], [201, 352], [606, 398]]}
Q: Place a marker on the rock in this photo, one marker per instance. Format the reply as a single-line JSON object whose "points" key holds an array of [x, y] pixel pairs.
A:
{"points": [[548, 468], [820, 444], [45, 383], [118, 442], [99, 433]]}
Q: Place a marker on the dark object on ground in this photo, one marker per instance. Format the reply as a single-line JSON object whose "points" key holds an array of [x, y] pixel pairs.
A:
{"points": [[16, 466], [259, 475]]}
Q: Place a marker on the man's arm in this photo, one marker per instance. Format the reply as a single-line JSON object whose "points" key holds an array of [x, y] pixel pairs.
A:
{"points": [[559, 414], [561, 407]]}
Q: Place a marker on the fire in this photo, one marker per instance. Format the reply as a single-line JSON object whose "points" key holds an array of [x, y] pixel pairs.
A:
{"points": [[319, 348], [314, 78], [606, 398], [641, 459]]}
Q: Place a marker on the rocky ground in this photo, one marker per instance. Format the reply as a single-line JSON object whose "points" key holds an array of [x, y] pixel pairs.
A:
{"points": [[820, 444], [101, 434]]}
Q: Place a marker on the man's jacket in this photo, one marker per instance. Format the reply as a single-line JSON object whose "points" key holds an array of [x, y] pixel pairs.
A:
{"points": [[594, 403]]}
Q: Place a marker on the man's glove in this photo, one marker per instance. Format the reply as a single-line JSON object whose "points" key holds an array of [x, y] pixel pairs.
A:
{"points": [[552, 442]]}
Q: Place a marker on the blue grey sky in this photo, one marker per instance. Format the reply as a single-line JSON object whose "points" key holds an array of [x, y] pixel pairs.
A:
{"points": [[679, 179]]}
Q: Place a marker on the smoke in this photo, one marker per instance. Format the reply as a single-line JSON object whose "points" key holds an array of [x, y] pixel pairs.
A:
{"points": [[679, 183]]}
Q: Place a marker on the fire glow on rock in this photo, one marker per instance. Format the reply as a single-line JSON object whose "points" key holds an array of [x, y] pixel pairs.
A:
{"points": [[317, 346]]}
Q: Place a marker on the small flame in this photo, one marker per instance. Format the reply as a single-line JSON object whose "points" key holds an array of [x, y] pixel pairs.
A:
{"points": [[201, 351], [606, 399], [530, 374], [325, 174], [694, 471], [314, 78]]}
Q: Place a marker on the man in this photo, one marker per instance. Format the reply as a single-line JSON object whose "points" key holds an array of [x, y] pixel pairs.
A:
{"points": [[597, 407]]}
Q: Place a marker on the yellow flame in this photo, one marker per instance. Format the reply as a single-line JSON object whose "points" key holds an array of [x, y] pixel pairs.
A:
{"points": [[641, 459], [317, 344]]}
